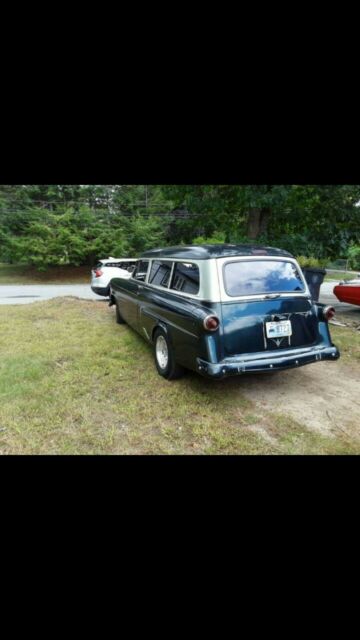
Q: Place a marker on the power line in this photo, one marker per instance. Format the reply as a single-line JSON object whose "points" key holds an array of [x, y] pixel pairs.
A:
{"points": [[70, 198], [97, 211], [92, 206]]}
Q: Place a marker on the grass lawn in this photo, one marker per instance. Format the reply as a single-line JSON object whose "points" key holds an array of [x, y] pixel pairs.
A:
{"points": [[20, 274], [344, 275], [72, 381], [348, 342]]}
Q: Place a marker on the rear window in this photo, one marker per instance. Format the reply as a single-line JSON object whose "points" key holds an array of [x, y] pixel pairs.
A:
{"points": [[255, 277], [185, 278]]}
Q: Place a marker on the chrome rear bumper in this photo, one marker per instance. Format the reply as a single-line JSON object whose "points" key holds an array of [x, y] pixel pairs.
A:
{"points": [[267, 361]]}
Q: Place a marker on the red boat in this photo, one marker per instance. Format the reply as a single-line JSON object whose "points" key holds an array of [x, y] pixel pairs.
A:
{"points": [[348, 291]]}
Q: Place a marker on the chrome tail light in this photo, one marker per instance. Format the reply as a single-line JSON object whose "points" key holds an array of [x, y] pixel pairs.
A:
{"points": [[211, 323], [329, 313]]}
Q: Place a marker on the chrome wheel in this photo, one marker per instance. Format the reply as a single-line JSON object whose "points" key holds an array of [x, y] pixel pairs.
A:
{"points": [[162, 352]]}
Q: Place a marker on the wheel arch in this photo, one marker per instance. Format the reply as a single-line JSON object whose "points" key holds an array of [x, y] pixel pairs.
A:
{"points": [[160, 325]]}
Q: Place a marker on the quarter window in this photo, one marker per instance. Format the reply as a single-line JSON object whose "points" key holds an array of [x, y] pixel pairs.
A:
{"points": [[186, 278], [160, 273], [141, 270]]}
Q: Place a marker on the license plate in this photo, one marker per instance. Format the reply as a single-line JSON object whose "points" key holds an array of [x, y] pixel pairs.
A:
{"points": [[279, 329]]}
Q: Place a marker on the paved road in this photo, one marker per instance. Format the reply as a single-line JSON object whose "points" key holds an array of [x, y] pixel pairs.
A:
{"points": [[23, 294]]}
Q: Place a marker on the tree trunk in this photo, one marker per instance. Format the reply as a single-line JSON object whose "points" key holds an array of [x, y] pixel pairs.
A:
{"points": [[265, 215], [257, 222]]}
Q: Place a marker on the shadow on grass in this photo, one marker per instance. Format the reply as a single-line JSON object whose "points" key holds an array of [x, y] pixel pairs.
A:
{"points": [[202, 384]]}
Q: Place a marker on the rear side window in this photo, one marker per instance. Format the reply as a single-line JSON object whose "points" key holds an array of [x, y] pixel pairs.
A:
{"points": [[160, 273], [186, 278], [126, 266], [120, 265], [255, 277], [141, 270]]}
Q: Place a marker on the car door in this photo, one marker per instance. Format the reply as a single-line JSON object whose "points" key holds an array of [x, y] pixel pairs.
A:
{"points": [[134, 288], [165, 300]]}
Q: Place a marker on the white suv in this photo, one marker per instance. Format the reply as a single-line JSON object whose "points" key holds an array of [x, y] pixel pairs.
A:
{"points": [[105, 270]]}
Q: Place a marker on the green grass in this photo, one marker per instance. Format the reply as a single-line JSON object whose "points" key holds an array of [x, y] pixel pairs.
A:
{"points": [[348, 341], [72, 381], [341, 275], [20, 274]]}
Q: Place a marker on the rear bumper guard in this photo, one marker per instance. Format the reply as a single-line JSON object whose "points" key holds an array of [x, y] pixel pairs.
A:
{"points": [[256, 362]]}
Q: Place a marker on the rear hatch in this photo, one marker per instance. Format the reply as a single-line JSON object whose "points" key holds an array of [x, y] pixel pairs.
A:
{"points": [[265, 307]]}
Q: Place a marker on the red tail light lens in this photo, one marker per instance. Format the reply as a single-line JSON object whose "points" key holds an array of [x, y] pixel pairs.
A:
{"points": [[329, 313], [211, 323], [98, 273]]}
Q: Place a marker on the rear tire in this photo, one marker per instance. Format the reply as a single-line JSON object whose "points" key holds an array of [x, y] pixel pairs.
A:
{"points": [[119, 318], [164, 357]]}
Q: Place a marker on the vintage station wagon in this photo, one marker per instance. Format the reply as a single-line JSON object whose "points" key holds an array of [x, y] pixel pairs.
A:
{"points": [[224, 310]]}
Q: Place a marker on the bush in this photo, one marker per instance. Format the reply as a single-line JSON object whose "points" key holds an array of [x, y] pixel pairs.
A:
{"points": [[354, 257], [217, 238], [310, 261]]}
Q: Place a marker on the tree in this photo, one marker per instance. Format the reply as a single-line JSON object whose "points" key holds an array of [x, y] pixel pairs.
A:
{"points": [[323, 219], [76, 224]]}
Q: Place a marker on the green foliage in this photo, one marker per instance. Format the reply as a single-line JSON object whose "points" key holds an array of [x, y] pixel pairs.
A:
{"points": [[45, 225], [354, 257], [77, 224], [311, 261], [144, 233], [304, 219], [216, 238]]}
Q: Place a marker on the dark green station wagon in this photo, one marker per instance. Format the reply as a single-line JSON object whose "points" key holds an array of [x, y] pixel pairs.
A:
{"points": [[224, 310]]}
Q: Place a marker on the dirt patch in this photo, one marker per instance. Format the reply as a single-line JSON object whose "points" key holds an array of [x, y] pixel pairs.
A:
{"points": [[324, 396], [263, 432], [349, 317]]}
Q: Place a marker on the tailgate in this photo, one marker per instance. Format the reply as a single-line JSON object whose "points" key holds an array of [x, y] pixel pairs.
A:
{"points": [[245, 328]]}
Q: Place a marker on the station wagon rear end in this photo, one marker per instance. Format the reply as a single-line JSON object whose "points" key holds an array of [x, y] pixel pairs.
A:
{"points": [[224, 310]]}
